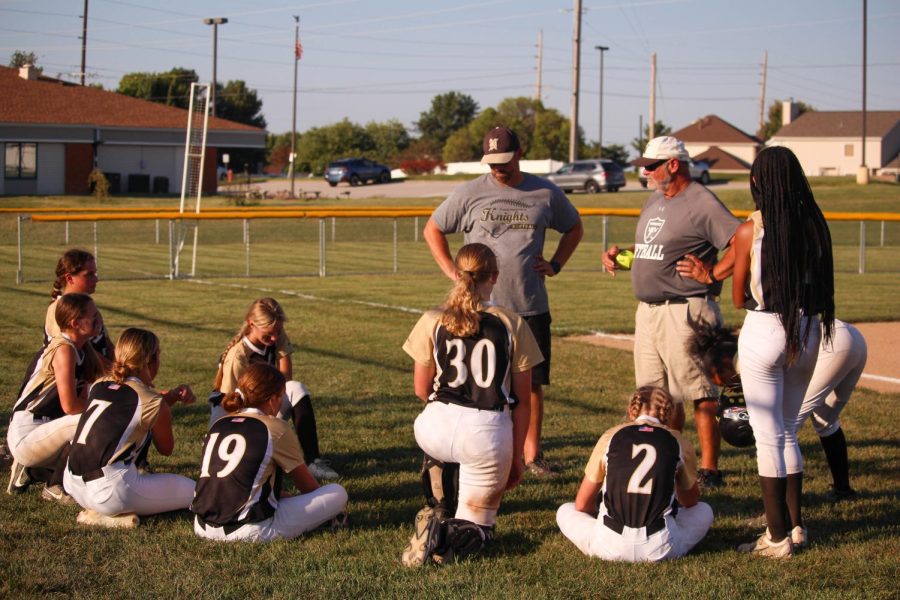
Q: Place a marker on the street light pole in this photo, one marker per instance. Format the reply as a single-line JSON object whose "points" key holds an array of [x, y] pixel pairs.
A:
{"points": [[294, 110], [602, 49], [215, 22]]}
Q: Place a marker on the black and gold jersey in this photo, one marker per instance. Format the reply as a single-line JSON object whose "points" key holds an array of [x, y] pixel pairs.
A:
{"points": [[244, 457], [115, 426], [475, 371], [102, 343], [244, 353], [640, 464], [39, 394]]}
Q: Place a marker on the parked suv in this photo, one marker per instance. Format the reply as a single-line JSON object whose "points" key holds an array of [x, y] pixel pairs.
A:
{"points": [[699, 172], [356, 171], [590, 176]]}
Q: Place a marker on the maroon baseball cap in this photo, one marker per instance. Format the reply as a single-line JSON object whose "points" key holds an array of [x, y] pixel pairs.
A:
{"points": [[499, 146]]}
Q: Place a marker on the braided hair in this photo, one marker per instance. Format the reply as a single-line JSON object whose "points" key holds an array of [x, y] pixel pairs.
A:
{"points": [[475, 264], [711, 345], [796, 247], [71, 262], [651, 400]]}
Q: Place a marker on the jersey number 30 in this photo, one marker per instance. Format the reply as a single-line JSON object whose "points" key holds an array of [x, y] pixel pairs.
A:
{"points": [[482, 373], [230, 449]]}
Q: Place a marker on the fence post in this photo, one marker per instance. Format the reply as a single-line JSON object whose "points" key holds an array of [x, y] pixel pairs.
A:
{"points": [[19, 219], [96, 251], [862, 247], [322, 247], [395, 245], [415, 229], [882, 234], [157, 232], [605, 232], [67, 233], [171, 249], [333, 229], [247, 245]]}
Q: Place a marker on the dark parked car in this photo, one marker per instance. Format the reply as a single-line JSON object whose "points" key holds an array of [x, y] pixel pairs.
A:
{"points": [[590, 176], [356, 171], [699, 172]]}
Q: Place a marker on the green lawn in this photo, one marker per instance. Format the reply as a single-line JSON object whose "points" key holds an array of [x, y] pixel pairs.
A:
{"points": [[348, 331]]}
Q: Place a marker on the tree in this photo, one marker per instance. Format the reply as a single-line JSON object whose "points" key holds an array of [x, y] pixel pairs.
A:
{"points": [[773, 122], [236, 102], [321, 145], [449, 113], [388, 140], [172, 88], [615, 152], [659, 129], [542, 132], [20, 58]]}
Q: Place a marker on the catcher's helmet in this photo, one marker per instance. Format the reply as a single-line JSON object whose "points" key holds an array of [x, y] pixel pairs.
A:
{"points": [[734, 420]]}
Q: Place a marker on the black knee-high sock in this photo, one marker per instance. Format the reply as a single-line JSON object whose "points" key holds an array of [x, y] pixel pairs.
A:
{"points": [[773, 492], [835, 447], [794, 499], [305, 423]]}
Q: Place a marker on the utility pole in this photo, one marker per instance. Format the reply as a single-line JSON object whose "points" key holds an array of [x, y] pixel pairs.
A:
{"points": [[652, 124], [862, 175], [294, 119], [540, 65], [576, 77], [84, 41], [762, 98], [602, 49], [215, 22]]}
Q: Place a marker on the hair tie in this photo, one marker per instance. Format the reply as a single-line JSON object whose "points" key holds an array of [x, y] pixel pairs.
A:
{"points": [[238, 392]]}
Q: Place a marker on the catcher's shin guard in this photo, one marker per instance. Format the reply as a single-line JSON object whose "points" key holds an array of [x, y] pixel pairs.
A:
{"points": [[440, 484]]}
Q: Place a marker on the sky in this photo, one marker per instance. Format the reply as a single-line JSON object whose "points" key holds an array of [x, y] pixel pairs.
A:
{"points": [[375, 60]]}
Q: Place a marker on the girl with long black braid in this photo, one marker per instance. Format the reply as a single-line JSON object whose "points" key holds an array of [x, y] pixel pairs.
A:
{"points": [[783, 276]]}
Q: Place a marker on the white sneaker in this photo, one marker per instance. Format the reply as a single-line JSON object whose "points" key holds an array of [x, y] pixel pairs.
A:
{"points": [[424, 540], [321, 469], [92, 517], [799, 537], [56, 493], [764, 546], [19, 479]]}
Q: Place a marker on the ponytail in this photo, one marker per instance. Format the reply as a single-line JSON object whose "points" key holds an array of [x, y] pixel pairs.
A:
{"points": [[256, 387], [475, 264]]}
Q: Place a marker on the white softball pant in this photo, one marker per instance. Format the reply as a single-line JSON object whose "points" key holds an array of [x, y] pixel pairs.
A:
{"points": [[774, 391], [293, 517], [593, 538], [294, 391], [123, 490], [481, 441], [838, 369], [38, 443]]}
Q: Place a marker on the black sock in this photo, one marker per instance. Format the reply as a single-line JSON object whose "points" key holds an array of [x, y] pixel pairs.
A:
{"points": [[774, 490], [835, 447], [305, 423], [794, 499]]}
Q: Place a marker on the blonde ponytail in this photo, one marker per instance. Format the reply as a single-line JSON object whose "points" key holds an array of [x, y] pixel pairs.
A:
{"points": [[475, 264]]}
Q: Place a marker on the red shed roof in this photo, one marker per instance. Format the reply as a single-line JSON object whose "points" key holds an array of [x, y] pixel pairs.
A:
{"points": [[47, 101], [713, 130]]}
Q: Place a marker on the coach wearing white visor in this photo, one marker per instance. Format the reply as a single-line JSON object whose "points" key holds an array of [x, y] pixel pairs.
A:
{"points": [[680, 217]]}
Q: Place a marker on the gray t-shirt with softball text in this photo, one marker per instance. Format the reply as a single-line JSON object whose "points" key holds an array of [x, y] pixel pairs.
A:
{"points": [[693, 222], [511, 221]]}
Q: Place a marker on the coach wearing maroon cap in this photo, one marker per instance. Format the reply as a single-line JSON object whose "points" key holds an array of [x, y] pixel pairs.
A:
{"points": [[510, 211], [680, 218]]}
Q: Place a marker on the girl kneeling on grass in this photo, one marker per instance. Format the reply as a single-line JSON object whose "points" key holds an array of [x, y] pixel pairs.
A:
{"points": [[238, 495], [626, 506], [262, 339], [122, 411], [53, 397], [473, 360]]}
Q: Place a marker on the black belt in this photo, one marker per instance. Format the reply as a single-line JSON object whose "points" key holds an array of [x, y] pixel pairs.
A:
{"points": [[98, 473], [656, 525], [491, 409], [680, 300]]}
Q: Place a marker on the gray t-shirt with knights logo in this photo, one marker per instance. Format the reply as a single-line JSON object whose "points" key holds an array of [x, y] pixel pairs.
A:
{"points": [[511, 221], [693, 222]]}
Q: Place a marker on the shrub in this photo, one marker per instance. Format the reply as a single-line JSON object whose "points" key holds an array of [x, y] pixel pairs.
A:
{"points": [[98, 184], [420, 166]]}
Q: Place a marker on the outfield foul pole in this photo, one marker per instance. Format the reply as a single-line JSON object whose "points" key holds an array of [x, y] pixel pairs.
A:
{"points": [[194, 161]]}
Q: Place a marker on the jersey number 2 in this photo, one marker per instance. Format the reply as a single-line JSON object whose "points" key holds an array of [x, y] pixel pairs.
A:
{"points": [[634, 483], [231, 449], [456, 354]]}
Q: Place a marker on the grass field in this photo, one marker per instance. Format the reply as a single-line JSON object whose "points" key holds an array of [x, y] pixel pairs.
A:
{"points": [[348, 331]]}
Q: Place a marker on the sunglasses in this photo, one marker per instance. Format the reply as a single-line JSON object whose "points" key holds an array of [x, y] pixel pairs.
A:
{"points": [[653, 166]]}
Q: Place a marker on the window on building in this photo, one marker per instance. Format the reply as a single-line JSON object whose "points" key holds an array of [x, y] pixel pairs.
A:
{"points": [[21, 161], [848, 149]]}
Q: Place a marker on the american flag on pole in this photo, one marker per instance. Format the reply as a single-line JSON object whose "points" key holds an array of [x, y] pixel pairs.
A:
{"points": [[298, 50]]}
